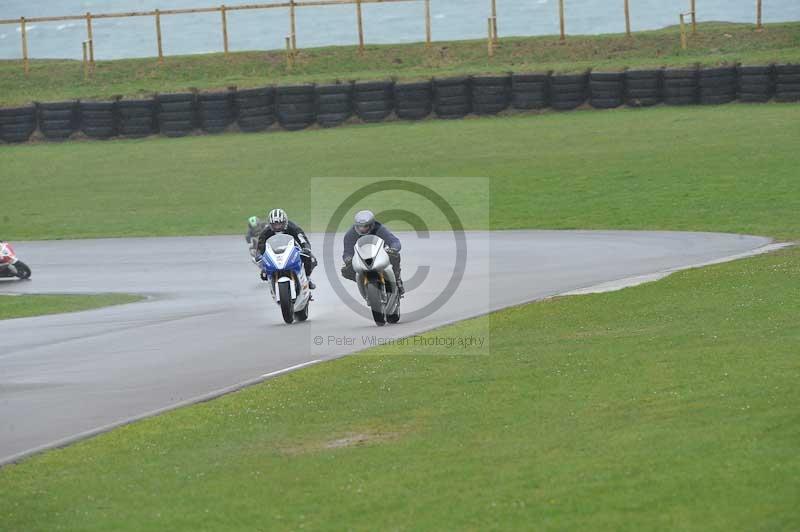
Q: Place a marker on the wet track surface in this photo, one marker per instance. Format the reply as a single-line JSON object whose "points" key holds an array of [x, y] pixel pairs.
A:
{"points": [[210, 324]]}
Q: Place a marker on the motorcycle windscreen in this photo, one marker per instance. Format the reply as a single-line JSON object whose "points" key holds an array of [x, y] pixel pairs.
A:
{"points": [[279, 243], [369, 246]]}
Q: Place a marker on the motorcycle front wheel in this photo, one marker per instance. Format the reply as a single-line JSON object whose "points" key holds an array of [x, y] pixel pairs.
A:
{"points": [[23, 271], [376, 304], [287, 307]]}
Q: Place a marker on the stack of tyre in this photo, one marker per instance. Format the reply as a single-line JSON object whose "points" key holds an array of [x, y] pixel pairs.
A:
{"points": [[606, 89], [451, 97], [490, 94], [334, 103], [136, 118], [176, 114], [58, 120], [98, 119], [373, 100], [787, 83], [680, 86], [215, 111], [567, 91], [642, 87], [754, 83], [413, 101], [255, 109], [717, 85], [17, 124], [530, 91], [296, 106]]}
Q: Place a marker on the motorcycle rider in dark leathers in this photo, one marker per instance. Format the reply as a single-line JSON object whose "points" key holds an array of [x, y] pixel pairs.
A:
{"points": [[254, 228], [278, 222], [366, 224]]}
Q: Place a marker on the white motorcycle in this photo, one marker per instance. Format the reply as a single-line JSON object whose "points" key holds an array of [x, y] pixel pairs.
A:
{"points": [[288, 283], [376, 280]]}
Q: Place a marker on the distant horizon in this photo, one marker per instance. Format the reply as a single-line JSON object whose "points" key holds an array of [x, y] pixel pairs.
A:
{"points": [[396, 23]]}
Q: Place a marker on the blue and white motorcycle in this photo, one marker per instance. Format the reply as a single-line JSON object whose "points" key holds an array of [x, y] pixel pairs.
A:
{"points": [[287, 279]]}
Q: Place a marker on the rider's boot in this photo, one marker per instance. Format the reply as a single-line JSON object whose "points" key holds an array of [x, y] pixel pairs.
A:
{"points": [[400, 288], [311, 284]]}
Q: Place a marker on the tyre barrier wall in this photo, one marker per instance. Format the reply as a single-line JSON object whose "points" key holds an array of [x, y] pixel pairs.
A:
{"points": [[530, 91], [452, 97], [568, 91], [300, 106], [490, 94], [413, 101], [787, 83], [606, 89]]}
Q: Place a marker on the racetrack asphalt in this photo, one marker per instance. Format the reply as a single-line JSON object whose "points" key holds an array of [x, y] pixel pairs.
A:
{"points": [[210, 325]]}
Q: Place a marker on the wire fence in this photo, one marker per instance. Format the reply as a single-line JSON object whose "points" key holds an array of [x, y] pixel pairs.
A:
{"points": [[292, 6]]}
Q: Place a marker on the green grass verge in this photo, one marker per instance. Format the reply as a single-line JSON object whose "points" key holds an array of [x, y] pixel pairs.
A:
{"points": [[24, 306], [729, 168], [672, 406], [715, 43], [668, 406]]}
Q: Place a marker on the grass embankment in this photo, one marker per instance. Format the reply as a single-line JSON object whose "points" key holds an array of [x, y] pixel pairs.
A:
{"points": [[730, 168], [23, 306], [715, 43], [668, 406]]}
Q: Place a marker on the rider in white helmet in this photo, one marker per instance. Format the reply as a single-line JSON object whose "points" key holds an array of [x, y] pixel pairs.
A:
{"points": [[365, 223], [278, 222]]}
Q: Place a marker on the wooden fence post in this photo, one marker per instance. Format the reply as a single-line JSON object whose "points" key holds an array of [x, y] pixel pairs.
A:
{"points": [[85, 62], [758, 15], [494, 22], [292, 23], [289, 54], [223, 10], [627, 18], [158, 38], [561, 19], [490, 39], [360, 24], [90, 36], [694, 17], [24, 32], [683, 33], [428, 23]]}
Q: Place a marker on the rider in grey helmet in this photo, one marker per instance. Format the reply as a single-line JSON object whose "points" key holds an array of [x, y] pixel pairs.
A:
{"points": [[366, 224]]}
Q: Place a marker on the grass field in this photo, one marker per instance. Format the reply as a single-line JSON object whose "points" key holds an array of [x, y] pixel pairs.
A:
{"points": [[36, 305], [715, 43], [669, 406], [661, 168]]}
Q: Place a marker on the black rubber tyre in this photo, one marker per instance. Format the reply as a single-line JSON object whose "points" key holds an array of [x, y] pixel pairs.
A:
{"points": [[136, 131], [642, 93], [566, 105], [678, 92], [23, 270], [631, 75], [375, 304], [717, 100], [605, 103], [414, 113], [524, 101], [254, 124], [452, 110], [607, 86], [679, 73], [787, 69], [393, 318], [746, 70], [787, 97], [99, 132], [15, 134], [334, 108], [680, 83], [643, 84], [58, 134], [61, 114], [287, 308], [643, 102], [680, 100], [754, 97]]}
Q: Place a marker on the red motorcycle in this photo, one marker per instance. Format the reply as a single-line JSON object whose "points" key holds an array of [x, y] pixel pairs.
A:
{"points": [[10, 265]]}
